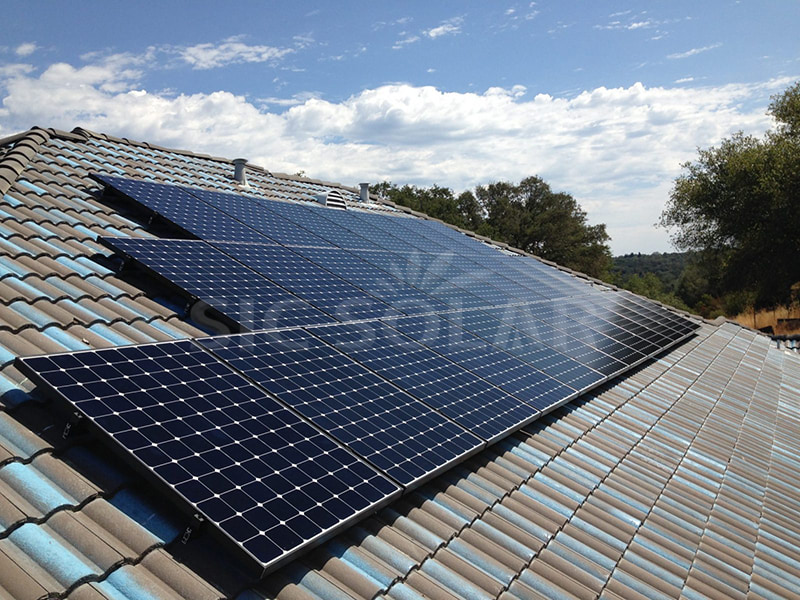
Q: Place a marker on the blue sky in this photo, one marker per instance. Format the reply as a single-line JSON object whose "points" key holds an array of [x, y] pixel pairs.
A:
{"points": [[604, 100]]}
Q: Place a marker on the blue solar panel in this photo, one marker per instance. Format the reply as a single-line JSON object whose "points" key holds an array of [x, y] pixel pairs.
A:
{"points": [[254, 212], [266, 478], [412, 274], [395, 432], [521, 318], [489, 362], [308, 281], [222, 282], [182, 208], [314, 219], [550, 361], [470, 401], [373, 280]]}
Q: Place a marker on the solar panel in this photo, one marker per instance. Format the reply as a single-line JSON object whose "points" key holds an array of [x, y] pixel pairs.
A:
{"points": [[221, 281], [267, 479], [433, 285], [254, 212], [550, 361], [392, 430], [373, 280], [521, 318], [182, 208], [308, 281], [354, 222], [314, 219], [470, 401], [489, 362]]}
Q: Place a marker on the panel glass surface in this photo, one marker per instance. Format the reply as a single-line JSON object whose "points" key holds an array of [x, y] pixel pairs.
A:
{"points": [[268, 479], [251, 211], [222, 282], [309, 281], [394, 431], [521, 317], [185, 210], [489, 362], [470, 401], [557, 365], [373, 280], [314, 219]]}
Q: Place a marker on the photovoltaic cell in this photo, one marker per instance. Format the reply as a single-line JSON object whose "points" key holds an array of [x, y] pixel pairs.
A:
{"points": [[254, 212], [184, 209], [224, 283], [309, 281], [470, 401], [394, 431], [557, 365], [313, 218], [373, 280], [489, 362], [521, 318], [414, 275], [266, 478]]}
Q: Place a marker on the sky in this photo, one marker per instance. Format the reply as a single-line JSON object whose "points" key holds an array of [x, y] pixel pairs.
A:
{"points": [[604, 100]]}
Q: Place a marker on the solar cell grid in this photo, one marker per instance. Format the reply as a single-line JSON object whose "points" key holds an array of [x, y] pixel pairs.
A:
{"points": [[613, 309], [502, 335], [414, 275], [457, 393], [520, 318], [253, 212], [492, 364], [309, 281], [222, 282], [270, 481], [351, 221], [314, 219], [373, 280], [184, 209], [585, 332], [394, 226], [395, 432]]}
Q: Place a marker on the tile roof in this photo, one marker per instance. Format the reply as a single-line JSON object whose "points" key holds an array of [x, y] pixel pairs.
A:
{"points": [[679, 479]]}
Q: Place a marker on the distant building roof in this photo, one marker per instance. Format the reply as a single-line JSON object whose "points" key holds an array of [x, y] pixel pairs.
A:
{"points": [[679, 479]]}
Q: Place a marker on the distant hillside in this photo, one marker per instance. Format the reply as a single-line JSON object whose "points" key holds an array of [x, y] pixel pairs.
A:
{"points": [[667, 266]]}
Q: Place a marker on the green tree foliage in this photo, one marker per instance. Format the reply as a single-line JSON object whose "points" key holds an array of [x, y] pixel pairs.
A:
{"points": [[738, 204], [528, 215]]}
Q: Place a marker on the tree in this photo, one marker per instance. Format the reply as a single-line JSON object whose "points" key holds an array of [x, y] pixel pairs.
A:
{"points": [[738, 204], [528, 215], [550, 224]]}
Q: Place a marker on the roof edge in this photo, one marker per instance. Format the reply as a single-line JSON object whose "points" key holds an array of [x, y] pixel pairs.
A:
{"points": [[24, 147]]}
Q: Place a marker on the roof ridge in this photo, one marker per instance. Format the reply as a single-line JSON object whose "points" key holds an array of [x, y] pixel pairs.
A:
{"points": [[25, 146], [87, 133]]}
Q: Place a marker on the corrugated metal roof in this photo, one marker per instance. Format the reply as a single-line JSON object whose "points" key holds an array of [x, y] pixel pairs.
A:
{"points": [[678, 480]]}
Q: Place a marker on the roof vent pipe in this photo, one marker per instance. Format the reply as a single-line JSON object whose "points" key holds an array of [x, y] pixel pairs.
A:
{"points": [[239, 175], [364, 192]]}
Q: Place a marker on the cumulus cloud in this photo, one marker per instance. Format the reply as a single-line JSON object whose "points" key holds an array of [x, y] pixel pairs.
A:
{"points": [[26, 49], [693, 52], [616, 149], [232, 51]]}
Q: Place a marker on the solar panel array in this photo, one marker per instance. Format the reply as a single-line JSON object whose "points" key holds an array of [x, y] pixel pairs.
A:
{"points": [[383, 350], [268, 479]]}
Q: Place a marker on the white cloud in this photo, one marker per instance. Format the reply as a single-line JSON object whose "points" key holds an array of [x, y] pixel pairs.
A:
{"points": [[616, 150], [410, 39], [232, 51], [693, 52], [26, 49], [448, 27]]}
